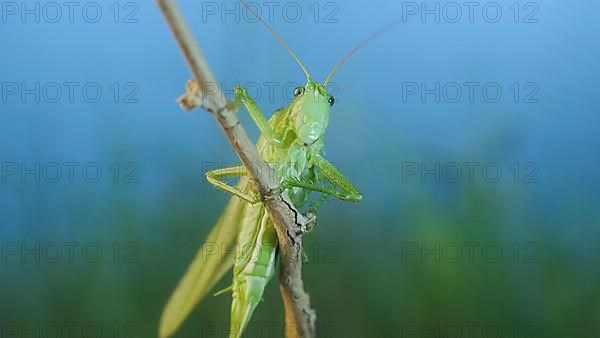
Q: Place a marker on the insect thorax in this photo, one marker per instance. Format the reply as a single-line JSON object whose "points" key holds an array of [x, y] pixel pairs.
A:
{"points": [[298, 164]]}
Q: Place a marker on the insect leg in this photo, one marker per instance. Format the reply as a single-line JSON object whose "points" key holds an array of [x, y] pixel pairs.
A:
{"points": [[337, 178], [331, 191], [316, 205], [241, 96], [214, 177], [349, 192]]}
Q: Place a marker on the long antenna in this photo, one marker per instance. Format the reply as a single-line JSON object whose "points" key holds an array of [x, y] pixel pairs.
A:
{"points": [[278, 38], [361, 45]]}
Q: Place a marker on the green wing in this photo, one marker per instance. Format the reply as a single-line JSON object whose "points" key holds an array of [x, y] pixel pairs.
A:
{"points": [[206, 270]]}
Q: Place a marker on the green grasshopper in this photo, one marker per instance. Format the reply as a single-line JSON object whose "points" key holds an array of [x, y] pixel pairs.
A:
{"points": [[291, 140]]}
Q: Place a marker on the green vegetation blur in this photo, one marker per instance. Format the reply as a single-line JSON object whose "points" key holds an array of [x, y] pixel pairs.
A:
{"points": [[480, 261]]}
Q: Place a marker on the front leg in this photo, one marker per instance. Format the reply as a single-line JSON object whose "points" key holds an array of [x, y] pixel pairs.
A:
{"points": [[241, 96], [336, 177], [348, 191]]}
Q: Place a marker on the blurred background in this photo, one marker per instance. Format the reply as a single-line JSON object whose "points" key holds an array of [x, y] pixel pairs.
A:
{"points": [[470, 129]]}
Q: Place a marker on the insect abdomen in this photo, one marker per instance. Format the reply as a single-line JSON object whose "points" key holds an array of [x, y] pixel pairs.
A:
{"points": [[252, 275]]}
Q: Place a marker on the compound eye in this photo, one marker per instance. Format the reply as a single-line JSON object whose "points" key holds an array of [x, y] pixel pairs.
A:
{"points": [[331, 101], [298, 91]]}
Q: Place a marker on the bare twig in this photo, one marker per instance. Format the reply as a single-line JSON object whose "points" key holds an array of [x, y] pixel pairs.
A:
{"points": [[289, 222]]}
